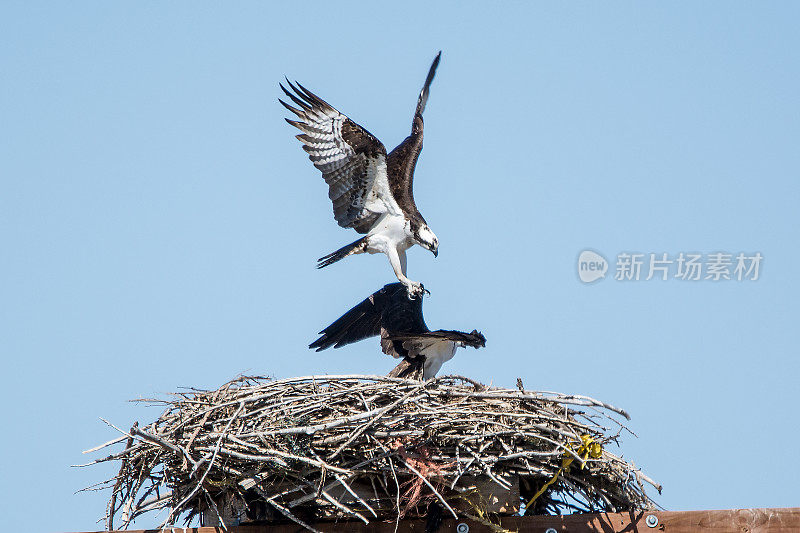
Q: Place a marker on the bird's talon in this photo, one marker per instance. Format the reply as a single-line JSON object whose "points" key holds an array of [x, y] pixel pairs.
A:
{"points": [[416, 289]]}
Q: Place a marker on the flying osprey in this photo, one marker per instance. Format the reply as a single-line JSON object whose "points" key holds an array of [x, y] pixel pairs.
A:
{"points": [[398, 319], [372, 192]]}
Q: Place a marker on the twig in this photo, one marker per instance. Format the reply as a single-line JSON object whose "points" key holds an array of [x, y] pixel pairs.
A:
{"points": [[311, 434], [428, 483]]}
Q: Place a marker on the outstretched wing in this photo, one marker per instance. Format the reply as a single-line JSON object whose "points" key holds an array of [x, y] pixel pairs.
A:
{"points": [[351, 159], [425, 352], [403, 159], [417, 342], [386, 312], [364, 320]]}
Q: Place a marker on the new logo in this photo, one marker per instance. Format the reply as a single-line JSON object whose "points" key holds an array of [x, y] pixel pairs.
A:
{"points": [[591, 266]]}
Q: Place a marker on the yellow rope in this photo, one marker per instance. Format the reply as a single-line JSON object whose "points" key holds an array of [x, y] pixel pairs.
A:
{"points": [[494, 527], [481, 514], [588, 448]]}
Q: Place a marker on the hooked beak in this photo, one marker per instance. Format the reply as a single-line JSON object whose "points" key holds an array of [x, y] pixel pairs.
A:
{"points": [[435, 252]]}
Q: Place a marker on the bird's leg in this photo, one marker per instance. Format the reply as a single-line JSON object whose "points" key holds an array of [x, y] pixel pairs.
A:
{"points": [[398, 261], [403, 261], [402, 255]]}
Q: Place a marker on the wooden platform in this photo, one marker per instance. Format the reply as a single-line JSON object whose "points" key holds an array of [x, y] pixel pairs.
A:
{"points": [[734, 521]]}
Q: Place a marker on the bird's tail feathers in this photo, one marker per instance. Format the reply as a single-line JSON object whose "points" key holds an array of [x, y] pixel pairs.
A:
{"points": [[423, 95], [356, 247], [408, 368]]}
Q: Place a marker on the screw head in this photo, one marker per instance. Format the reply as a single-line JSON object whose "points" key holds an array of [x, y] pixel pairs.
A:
{"points": [[462, 528], [651, 520], [550, 530]]}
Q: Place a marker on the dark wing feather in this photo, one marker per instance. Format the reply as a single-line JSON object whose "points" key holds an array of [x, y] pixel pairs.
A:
{"points": [[402, 161], [402, 315], [360, 322], [365, 319], [426, 87], [351, 159], [416, 342], [386, 312]]}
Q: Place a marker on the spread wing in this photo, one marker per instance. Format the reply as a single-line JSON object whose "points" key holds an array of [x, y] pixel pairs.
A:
{"points": [[415, 343], [351, 159], [403, 159], [365, 319], [386, 312]]}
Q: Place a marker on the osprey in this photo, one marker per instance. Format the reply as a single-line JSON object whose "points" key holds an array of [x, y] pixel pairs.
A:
{"points": [[398, 319], [372, 192]]}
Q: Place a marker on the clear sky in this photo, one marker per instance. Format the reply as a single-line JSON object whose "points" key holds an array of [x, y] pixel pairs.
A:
{"points": [[160, 224]]}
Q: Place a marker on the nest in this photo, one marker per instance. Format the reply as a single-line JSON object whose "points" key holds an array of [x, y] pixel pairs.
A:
{"points": [[367, 447]]}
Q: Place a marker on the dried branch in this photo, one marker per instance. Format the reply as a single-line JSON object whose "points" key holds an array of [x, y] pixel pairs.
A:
{"points": [[332, 447]]}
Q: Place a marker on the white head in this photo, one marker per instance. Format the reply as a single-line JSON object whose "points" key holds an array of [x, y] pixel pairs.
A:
{"points": [[427, 239]]}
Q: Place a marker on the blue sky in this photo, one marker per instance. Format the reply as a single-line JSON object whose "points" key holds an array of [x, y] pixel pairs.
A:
{"points": [[160, 225]]}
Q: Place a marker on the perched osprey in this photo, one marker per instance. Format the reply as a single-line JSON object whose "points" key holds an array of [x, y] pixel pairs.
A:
{"points": [[398, 319], [372, 192]]}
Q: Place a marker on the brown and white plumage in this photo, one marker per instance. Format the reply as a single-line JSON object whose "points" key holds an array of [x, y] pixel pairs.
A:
{"points": [[371, 191], [398, 319], [351, 159]]}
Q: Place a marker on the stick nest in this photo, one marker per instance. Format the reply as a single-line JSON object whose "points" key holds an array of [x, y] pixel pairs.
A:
{"points": [[370, 447]]}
